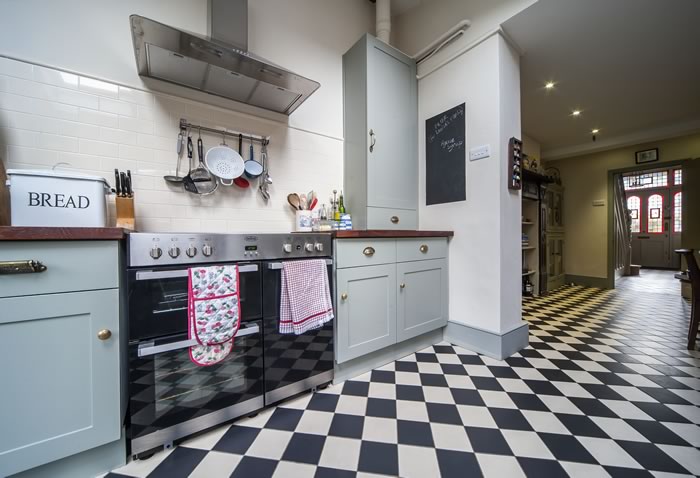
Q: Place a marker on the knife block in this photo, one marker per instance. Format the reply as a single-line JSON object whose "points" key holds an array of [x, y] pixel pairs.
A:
{"points": [[125, 213]]}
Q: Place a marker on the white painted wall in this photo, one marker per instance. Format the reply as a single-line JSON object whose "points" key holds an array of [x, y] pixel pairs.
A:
{"points": [[485, 251], [93, 38]]}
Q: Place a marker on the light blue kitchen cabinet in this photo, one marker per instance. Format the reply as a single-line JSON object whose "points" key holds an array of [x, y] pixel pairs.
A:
{"points": [[60, 353], [388, 291], [421, 297], [366, 310], [380, 130]]}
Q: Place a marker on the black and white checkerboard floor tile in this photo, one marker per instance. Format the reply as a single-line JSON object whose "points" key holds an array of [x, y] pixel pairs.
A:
{"points": [[606, 388]]}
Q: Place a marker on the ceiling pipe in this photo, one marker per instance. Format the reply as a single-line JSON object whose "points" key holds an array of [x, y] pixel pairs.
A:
{"points": [[383, 15]]}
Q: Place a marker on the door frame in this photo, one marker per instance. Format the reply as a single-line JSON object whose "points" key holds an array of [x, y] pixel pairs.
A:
{"points": [[610, 279]]}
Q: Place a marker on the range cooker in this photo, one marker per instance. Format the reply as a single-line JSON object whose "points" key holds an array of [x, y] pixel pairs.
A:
{"points": [[169, 396]]}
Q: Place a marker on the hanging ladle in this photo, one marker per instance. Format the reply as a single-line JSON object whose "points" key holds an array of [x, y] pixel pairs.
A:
{"points": [[177, 179]]}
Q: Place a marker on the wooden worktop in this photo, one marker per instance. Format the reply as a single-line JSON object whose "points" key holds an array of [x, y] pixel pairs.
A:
{"points": [[19, 233], [389, 233]]}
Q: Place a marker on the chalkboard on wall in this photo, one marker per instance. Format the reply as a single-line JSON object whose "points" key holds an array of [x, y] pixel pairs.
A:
{"points": [[445, 179]]}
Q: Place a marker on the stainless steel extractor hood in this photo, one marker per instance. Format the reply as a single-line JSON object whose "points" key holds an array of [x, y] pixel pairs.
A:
{"points": [[218, 64]]}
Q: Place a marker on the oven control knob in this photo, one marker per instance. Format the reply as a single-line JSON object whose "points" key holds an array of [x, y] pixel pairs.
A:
{"points": [[309, 247], [319, 247], [191, 251], [287, 247], [207, 250], [156, 252], [174, 251]]}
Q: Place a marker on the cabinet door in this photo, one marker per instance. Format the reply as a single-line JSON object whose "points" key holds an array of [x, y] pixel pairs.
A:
{"points": [[60, 382], [392, 165], [421, 297], [366, 310]]}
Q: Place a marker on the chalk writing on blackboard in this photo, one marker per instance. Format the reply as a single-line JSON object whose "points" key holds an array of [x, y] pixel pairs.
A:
{"points": [[445, 155], [444, 122], [451, 144]]}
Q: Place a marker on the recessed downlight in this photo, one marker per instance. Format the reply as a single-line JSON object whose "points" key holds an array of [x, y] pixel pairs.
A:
{"points": [[549, 85], [576, 113]]}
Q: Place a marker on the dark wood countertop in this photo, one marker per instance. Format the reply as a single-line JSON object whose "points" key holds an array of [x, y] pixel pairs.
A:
{"points": [[18, 233], [389, 233]]}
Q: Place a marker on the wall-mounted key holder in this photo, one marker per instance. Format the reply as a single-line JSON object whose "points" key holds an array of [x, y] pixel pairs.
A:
{"points": [[515, 164]]}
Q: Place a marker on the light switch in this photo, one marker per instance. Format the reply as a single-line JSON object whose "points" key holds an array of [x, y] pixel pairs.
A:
{"points": [[479, 152], [599, 202]]}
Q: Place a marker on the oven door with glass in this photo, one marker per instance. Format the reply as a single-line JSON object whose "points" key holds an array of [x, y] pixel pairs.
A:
{"points": [[171, 397], [158, 299], [293, 363]]}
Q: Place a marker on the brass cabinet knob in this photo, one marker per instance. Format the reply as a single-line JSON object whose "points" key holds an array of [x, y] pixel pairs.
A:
{"points": [[424, 248], [402, 285], [104, 334], [368, 251], [344, 295], [395, 219]]}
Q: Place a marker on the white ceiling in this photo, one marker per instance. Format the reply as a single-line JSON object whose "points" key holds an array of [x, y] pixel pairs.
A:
{"points": [[631, 67]]}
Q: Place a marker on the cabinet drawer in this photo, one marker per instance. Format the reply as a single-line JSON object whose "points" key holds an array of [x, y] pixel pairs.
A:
{"points": [[70, 266], [385, 218], [361, 252], [421, 249]]}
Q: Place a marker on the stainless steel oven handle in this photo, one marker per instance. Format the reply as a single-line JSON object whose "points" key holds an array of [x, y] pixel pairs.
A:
{"points": [[150, 275], [145, 349], [278, 265]]}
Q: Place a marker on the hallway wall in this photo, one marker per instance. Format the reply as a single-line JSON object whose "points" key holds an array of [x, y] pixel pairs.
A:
{"points": [[585, 179]]}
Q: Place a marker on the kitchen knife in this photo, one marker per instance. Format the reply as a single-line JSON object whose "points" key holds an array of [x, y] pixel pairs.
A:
{"points": [[123, 180], [130, 191], [117, 185]]}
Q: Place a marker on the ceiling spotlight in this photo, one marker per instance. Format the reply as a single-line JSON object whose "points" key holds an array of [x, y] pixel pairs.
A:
{"points": [[576, 113], [549, 85], [595, 131]]}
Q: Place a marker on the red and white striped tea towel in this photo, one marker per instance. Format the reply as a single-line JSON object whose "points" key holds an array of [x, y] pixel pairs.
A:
{"points": [[305, 301]]}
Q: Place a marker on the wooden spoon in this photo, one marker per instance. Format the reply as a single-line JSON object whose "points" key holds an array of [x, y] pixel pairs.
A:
{"points": [[294, 201]]}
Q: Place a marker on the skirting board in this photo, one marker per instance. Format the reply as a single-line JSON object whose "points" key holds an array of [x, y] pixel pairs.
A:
{"points": [[599, 282], [352, 368], [94, 462], [488, 343]]}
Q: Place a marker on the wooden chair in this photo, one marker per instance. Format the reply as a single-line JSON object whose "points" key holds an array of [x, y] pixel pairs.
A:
{"points": [[694, 279]]}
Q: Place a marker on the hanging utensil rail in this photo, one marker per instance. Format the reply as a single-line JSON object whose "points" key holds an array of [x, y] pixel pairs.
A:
{"points": [[195, 127]]}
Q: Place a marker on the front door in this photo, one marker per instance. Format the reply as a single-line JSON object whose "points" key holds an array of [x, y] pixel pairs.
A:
{"points": [[651, 222]]}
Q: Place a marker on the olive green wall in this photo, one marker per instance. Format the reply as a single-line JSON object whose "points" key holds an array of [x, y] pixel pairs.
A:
{"points": [[585, 179]]}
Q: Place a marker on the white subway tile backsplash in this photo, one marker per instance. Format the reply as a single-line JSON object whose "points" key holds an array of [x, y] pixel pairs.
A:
{"points": [[19, 154], [99, 118], [136, 125], [117, 135], [98, 148], [12, 102], [117, 107], [156, 142], [17, 137], [55, 77], [97, 87], [56, 142], [95, 126], [135, 152], [15, 68], [55, 110], [135, 96]]}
